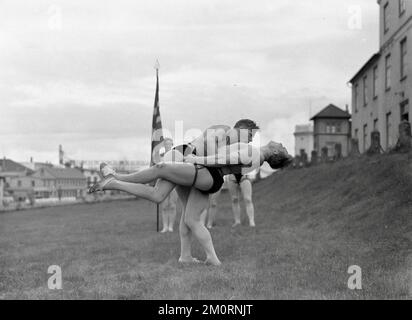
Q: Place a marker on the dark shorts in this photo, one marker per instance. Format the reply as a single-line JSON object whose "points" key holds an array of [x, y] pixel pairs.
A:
{"points": [[217, 177], [216, 173]]}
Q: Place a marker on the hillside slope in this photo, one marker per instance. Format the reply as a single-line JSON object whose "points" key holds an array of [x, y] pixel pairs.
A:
{"points": [[354, 212]]}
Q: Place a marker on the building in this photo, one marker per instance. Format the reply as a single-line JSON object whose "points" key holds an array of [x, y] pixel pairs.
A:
{"points": [[36, 165], [304, 139], [21, 183], [23, 187], [59, 182], [10, 173], [332, 128], [92, 176], [382, 87], [15, 182], [10, 168]]}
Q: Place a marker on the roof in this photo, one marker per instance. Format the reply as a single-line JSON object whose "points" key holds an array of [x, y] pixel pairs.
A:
{"points": [[64, 173], [332, 111], [371, 61], [7, 165]]}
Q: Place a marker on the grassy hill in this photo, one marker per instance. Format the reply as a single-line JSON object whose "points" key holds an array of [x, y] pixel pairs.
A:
{"points": [[312, 224]]}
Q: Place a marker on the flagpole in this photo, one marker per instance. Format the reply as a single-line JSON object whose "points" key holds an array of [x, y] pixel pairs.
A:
{"points": [[157, 66], [157, 205]]}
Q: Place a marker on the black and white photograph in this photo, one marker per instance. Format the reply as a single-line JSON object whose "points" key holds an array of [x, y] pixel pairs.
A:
{"points": [[204, 155]]}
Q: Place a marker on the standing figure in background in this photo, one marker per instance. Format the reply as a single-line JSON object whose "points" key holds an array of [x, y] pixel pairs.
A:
{"points": [[168, 207], [239, 184], [208, 215]]}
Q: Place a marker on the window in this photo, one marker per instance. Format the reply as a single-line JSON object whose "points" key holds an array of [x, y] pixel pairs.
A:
{"points": [[388, 130], [338, 127], [402, 7], [365, 137], [19, 183], [33, 184], [365, 91], [386, 18], [388, 72], [356, 95], [375, 125], [404, 60], [405, 111], [375, 82], [356, 134], [330, 128]]}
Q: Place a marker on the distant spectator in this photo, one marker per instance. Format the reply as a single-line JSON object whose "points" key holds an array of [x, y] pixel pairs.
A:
{"points": [[168, 206]]}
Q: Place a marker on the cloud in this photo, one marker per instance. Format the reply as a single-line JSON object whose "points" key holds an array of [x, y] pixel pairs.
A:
{"points": [[90, 82]]}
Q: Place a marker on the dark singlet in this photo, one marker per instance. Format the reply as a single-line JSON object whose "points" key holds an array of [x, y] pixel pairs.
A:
{"points": [[216, 173]]}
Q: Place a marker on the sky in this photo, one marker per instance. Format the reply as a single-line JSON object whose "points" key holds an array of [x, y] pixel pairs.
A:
{"points": [[81, 73]]}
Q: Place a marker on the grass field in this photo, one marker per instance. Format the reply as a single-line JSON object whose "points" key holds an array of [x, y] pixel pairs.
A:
{"points": [[312, 224]]}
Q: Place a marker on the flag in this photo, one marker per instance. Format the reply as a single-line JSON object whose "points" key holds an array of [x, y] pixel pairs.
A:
{"points": [[157, 131], [157, 135]]}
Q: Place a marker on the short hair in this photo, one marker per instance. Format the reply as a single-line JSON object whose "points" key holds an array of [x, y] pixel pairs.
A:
{"points": [[279, 156], [278, 161], [247, 124]]}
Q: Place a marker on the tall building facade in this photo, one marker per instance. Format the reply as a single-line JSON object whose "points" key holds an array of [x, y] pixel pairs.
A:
{"points": [[382, 88], [303, 139]]}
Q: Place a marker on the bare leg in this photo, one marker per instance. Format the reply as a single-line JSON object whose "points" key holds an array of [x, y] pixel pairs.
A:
{"points": [[246, 189], [181, 174], [212, 209], [234, 195], [156, 194], [204, 215], [172, 219], [173, 210], [184, 231], [165, 219], [196, 203]]}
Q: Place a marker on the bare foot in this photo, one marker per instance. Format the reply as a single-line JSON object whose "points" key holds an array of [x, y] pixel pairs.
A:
{"points": [[106, 170], [212, 262], [164, 230], [236, 224], [100, 186], [189, 260]]}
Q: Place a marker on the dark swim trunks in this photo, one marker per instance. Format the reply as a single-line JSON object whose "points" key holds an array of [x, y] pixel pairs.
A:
{"points": [[216, 173]]}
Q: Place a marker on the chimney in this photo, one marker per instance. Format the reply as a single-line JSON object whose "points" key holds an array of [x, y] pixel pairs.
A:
{"points": [[31, 159], [61, 154], [347, 108]]}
